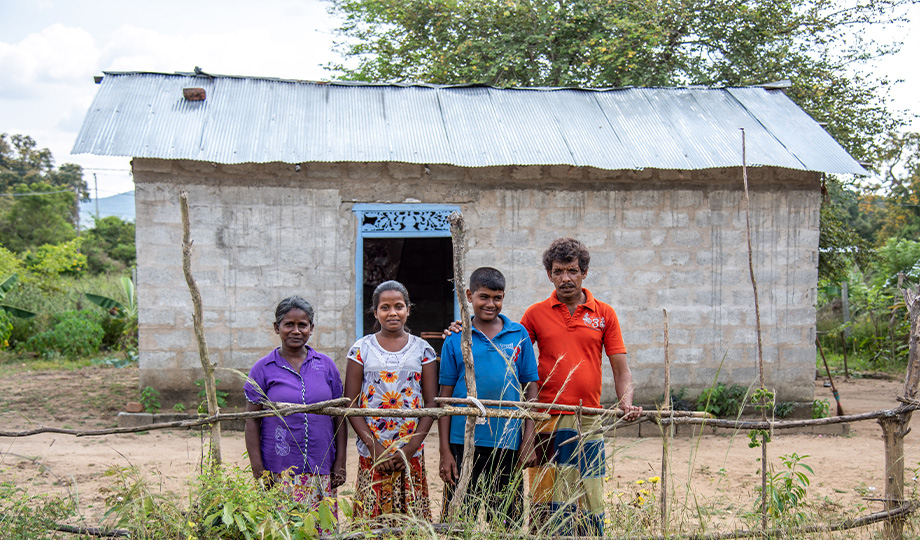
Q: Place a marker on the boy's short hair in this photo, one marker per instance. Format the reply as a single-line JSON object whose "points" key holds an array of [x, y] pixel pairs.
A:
{"points": [[566, 250], [487, 277]]}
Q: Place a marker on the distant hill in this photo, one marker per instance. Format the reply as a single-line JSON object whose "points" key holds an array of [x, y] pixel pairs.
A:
{"points": [[121, 205]]}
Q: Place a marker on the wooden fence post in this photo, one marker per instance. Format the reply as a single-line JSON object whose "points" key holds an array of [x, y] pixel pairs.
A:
{"points": [[469, 443], [896, 427], [209, 383]]}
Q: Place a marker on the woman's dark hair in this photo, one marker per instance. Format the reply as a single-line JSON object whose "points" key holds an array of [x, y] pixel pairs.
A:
{"points": [[391, 285], [487, 278], [293, 302], [566, 250]]}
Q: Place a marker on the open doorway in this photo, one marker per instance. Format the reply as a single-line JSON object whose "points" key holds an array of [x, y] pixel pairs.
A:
{"points": [[425, 267]]}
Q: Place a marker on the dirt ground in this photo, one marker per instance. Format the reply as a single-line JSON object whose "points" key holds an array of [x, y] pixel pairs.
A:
{"points": [[848, 470]]}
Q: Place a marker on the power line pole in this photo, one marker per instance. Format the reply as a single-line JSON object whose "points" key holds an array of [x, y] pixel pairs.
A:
{"points": [[96, 183]]}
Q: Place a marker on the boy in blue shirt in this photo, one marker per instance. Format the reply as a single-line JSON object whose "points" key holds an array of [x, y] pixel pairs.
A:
{"points": [[505, 363]]}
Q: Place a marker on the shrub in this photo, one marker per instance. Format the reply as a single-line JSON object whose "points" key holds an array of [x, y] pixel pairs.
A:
{"points": [[74, 336], [6, 329], [721, 400]]}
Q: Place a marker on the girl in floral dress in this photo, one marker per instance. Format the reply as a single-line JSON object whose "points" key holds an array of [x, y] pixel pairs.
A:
{"points": [[391, 369]]}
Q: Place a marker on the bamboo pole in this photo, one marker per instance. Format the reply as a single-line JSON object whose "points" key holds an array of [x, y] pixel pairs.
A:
{"points": [[206, 365], [668, 430], [458, 237]]}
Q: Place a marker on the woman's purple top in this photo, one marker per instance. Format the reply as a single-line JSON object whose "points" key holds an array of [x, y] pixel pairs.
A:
{"points": [[283, 440]]}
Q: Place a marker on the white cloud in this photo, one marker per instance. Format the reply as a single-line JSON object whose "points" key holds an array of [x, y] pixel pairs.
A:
{"points": [[55, 54]]}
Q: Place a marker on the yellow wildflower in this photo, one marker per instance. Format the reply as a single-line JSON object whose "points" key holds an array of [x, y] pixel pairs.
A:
{"points": [[639, 482], [654, 479]]}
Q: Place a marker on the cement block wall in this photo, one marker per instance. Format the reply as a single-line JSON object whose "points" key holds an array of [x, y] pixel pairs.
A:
{"points": [[658, 239]]}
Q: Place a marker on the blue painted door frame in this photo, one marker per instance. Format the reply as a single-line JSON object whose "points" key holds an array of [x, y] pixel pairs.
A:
{"points": [[395, 221]]}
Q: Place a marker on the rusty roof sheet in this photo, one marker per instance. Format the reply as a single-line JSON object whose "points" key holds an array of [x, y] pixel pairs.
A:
{"points": [[260, 120]]}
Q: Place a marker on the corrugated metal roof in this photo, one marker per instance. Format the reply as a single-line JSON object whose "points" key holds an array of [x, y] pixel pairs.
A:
{"points": [[263, 120]]}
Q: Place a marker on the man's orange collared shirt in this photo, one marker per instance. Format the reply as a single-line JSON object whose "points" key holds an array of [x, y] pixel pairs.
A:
{"points": [[570, 348]]}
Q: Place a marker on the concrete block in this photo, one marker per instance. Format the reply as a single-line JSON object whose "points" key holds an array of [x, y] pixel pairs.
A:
{"points": [[172, 417], [645, 199], [657, 237], [687, 238], [690, 278], [674, 219], [134, 419], [626, 239], [599, 220], [648, 278], [175, 340], [639, 219], [688, 355], [158, 359], [636, 257], [513, 239], [674, 258]]}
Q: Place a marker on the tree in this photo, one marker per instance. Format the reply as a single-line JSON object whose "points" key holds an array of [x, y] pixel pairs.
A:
{"points": [[109, 246], [39, 215], [818, 44], [22, 162]]}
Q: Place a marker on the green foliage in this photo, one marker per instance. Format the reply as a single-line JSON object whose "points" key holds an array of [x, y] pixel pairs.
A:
{"points": [[840, 245], [6, 329], [109, 246], [179, 407], [820, 408], [784, 409], [203, 396], [123, 312], [9, 262], [225, 503], [31, 517], [756, 436], [787, 488], [36, 220], [721, 400], [75, 335], [6, 285], [815, 43], [679, 400], [150, 399], [53, 260]]}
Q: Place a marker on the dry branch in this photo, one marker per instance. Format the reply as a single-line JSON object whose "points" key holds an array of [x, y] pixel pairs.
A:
{"points": [[334, 407], [668, 431], [570, 408], [458, 238], [209, 382]]}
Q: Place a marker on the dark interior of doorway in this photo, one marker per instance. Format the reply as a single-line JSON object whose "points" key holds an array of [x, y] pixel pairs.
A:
{"points": [[425, 267]]}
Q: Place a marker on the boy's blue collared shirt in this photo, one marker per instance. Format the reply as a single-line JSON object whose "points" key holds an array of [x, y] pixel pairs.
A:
{"points": [[504, 366]]}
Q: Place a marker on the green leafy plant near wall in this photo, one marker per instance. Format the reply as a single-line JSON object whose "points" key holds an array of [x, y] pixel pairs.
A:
{"points": [[721, 400], [150, 399]]}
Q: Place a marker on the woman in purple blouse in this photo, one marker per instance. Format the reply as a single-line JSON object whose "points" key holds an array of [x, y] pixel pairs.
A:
{"points": [[303, 452]]}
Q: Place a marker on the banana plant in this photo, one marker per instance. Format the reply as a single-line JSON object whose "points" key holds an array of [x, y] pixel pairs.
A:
{"points": [[5, 286], [126, 307]]}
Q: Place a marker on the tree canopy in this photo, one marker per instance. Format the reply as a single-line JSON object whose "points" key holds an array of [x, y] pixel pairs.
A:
{"points": [[819, 45]]}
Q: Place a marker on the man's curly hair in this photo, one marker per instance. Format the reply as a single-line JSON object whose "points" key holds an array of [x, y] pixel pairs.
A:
{"points": [[565, 250]]}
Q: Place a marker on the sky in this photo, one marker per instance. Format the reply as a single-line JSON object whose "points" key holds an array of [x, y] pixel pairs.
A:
{"points": [[51, 49]]}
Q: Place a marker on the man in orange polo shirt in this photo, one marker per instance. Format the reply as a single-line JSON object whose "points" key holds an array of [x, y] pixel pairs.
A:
{"points": [[572, 329]]}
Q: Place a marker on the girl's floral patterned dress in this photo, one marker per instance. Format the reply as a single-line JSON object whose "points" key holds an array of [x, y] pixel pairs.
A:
{"points": [[392, 380]]}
